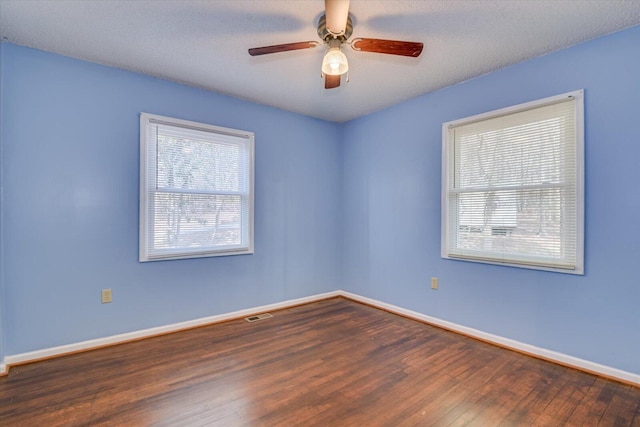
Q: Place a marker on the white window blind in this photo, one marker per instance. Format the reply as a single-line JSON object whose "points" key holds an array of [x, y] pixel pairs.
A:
{"points": [[513, 186], [196, 185]]}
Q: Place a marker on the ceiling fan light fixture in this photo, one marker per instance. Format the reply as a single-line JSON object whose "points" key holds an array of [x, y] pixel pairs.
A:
{"points": [[335, 26], [335, 62]]}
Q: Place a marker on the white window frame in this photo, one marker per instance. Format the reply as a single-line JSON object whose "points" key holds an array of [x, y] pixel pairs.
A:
{"points": [[147, 189], [447, 186]]}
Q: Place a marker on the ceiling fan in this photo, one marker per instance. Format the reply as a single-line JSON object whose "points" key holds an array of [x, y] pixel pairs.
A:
{"points": [[334, 29]]}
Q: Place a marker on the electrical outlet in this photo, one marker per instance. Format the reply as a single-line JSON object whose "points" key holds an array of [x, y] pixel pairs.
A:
{"points": [[106, 296], [434, 283]]}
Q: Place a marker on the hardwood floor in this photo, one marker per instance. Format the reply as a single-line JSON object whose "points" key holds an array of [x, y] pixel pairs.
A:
{"points": [[329, 363]]}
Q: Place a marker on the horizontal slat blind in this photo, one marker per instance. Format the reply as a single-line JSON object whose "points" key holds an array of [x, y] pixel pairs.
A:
{"points": [[198, 191], [512, 188]]}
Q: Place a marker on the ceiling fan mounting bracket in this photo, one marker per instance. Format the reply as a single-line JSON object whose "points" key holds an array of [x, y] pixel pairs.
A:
{"points": [[326, 35]]}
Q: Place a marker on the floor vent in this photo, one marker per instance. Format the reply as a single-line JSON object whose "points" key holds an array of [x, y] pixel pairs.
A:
{"points": [[257, 317]]}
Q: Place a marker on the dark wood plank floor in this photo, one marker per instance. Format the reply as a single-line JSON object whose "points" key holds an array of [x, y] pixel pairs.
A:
{"points": [[330, 363]]}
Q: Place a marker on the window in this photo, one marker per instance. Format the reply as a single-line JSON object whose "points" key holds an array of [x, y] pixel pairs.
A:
{"points": [[512, 186], [196, 189]]}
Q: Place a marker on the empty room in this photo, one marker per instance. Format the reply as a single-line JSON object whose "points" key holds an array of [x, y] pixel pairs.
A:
{"points": [[319, 213]]}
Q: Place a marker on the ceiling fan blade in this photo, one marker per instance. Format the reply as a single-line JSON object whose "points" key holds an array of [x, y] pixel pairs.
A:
{"points": [[331, 81], [391, 47], [281, 48], [337, 12]]}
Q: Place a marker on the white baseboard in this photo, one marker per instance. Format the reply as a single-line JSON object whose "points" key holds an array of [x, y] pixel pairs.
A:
{"points": [[563, 359], [46, 353], [553, 356]]}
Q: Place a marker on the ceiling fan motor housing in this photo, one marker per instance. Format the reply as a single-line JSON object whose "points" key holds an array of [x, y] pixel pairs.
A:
{"points": [[325, 35]]}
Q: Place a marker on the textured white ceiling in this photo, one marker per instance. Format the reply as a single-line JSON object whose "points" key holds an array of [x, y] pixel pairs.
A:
{"points": [[204, 43]]}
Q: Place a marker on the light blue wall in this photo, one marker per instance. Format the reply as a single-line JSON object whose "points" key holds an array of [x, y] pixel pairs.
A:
{"points": [[70, 135], [2, 299], [391, 205]]}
